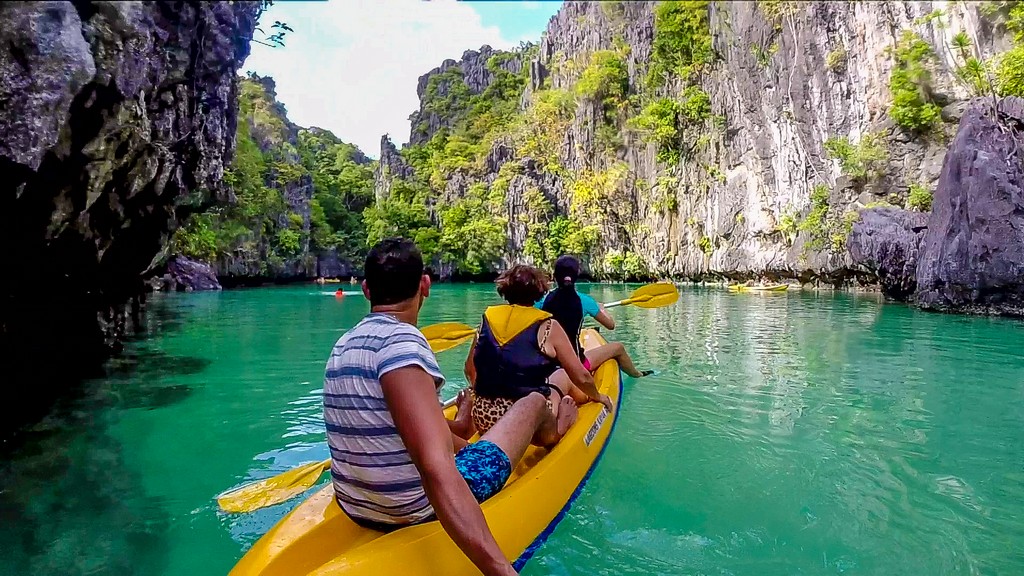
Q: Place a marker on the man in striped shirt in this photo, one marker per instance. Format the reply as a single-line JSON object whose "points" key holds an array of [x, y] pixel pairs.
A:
{"points": [[395, 460]]}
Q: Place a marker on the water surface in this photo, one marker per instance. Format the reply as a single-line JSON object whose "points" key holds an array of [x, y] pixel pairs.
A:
{"points": [[783, 434]]}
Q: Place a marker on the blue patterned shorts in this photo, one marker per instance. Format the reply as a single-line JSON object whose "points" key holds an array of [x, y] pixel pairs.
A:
{"points": [[485, 467]]}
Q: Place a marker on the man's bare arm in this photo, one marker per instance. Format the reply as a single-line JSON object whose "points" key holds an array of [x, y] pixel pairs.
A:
{"points": [[412, 401], [570, 361]]}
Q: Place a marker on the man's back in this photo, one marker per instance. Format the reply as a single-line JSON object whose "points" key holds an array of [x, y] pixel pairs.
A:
{"points": [[374, 478]]}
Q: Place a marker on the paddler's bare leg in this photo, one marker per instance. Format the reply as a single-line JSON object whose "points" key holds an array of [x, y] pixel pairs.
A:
{"points": [[616, 350], [527, 422]]}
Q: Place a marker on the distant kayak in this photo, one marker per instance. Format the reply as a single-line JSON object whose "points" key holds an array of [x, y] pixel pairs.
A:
{"points": [[340, 293], [772, 288]]}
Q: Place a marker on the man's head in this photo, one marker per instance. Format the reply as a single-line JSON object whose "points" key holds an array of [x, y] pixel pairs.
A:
{"points": [[522, 284], [394, 273]]}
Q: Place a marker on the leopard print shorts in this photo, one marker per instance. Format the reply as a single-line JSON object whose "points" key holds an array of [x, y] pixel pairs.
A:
{"points": [[487, 411]]}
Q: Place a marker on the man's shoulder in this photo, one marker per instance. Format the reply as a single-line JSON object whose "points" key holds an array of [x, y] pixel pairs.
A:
{"points": [[377, 331]]}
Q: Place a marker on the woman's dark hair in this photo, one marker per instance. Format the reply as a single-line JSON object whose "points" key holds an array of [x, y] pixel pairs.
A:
{"points": [[522, 284], [393, 271], [567, 271]]}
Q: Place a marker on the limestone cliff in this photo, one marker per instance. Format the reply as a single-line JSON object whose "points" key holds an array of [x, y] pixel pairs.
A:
{"points": [[295, 200], [115, 118], [706, 139]]}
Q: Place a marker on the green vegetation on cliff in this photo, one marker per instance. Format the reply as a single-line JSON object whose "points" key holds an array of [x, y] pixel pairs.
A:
{"points": [[457, 131], [469, 234], [826, 227], [863, 161], [682, 40], [910, 82], [665, 122], [295, 191]]}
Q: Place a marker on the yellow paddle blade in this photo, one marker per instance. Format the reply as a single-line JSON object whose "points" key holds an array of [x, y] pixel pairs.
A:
{"points": [[273, 490], [653, 296], [447, 335]]}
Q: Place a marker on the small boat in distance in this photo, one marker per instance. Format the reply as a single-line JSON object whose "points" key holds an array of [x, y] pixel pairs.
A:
{"points": [[771, 288]]}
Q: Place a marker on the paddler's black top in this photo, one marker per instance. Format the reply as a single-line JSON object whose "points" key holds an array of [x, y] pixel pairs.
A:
{"points": [[566, 307], [508, 358]]}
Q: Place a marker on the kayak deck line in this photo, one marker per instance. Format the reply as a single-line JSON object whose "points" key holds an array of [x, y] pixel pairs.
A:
{"points": [[534, 546]]}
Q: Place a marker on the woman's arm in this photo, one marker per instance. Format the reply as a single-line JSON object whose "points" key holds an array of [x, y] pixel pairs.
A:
{"points": [[566, 356], [470, 369], [604, 318]]}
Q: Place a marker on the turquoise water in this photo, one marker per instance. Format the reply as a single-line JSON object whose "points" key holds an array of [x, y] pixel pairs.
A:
{"points": [[783, 434]]}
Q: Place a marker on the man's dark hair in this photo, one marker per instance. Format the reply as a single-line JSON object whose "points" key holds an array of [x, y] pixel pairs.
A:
{"points": [[393, 270]]}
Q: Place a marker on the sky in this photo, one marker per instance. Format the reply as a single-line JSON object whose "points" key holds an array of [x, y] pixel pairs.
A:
{"points": [[351, 66]]}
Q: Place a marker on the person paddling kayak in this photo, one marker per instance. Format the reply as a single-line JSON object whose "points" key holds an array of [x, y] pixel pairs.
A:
{"points": [[518, 348], [570, 308], [395, 460]]}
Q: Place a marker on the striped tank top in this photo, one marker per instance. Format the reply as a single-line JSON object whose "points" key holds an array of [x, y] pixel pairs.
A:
{"points": [[374, 478]]}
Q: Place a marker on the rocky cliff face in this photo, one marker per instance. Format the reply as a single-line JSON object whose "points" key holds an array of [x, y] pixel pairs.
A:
{"points": [[113, 114], [972, 256], [745, 145], [295, 197], [886, 242], [277, 140], [391, 166], [438, 89], [968, 254]]}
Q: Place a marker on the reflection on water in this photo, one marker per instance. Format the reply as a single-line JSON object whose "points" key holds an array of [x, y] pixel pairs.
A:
{"points": [[783, 434]]}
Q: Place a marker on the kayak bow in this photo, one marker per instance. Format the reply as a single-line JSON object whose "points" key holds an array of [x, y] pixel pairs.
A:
{"points": [[318, 538]]}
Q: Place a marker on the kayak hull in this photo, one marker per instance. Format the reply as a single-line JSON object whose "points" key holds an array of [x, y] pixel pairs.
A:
{"points": [[317, 538], [775, 288]]}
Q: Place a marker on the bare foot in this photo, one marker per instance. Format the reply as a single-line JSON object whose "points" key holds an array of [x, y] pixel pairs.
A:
{"points": [[463, 402], [567, 413], [463, 423]]}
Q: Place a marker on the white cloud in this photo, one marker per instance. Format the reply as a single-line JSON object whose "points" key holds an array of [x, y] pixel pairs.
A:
{"points": [[351, 66], [530, 5]]}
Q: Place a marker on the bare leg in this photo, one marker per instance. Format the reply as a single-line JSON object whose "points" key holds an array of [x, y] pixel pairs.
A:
{"points": [[561, 379], [527, 422], [598, 356], [616, 350]]}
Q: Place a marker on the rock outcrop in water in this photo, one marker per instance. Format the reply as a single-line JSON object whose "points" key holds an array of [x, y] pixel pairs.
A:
{"points": [[117, 118], [972, 257], [885, 241], [749, 153], [186, 275]]}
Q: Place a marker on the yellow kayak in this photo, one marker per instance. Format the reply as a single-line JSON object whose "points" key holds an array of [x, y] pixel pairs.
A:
{"points": [[318, 538], [773, 288]]}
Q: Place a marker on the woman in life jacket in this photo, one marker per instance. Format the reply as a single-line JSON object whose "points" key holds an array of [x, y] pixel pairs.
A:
{"points": [[516, 350], [570, 308]]}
